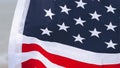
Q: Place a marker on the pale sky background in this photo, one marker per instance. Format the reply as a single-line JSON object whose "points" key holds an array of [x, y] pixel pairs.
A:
{"points": [[7, 8]]}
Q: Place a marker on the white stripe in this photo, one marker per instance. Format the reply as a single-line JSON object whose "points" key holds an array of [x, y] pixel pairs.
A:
{"points": [[17, 27], [74, 53], [22, 57]]}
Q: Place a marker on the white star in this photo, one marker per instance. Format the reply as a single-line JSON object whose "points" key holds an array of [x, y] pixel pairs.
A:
{"points": [[95, 33], [111, 27], [80, 4], [49, 13], [110, 9], [79, 21], [111, 44], [95, 15], [46, 31], [98, 0], [63, 27], [65, 9], [79, 38]]}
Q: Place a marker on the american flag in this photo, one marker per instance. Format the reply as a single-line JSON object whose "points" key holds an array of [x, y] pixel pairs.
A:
{"points": [[71, 34]]}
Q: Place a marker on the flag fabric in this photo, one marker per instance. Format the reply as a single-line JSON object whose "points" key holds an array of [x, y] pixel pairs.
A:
{"points": [[65, 34]]}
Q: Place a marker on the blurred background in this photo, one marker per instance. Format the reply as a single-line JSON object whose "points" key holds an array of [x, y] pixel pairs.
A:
{"points": [[7, 8]]}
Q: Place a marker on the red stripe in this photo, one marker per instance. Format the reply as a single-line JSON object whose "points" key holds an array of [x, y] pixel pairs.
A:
{"points": [[63, 61], [32, 63]]}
